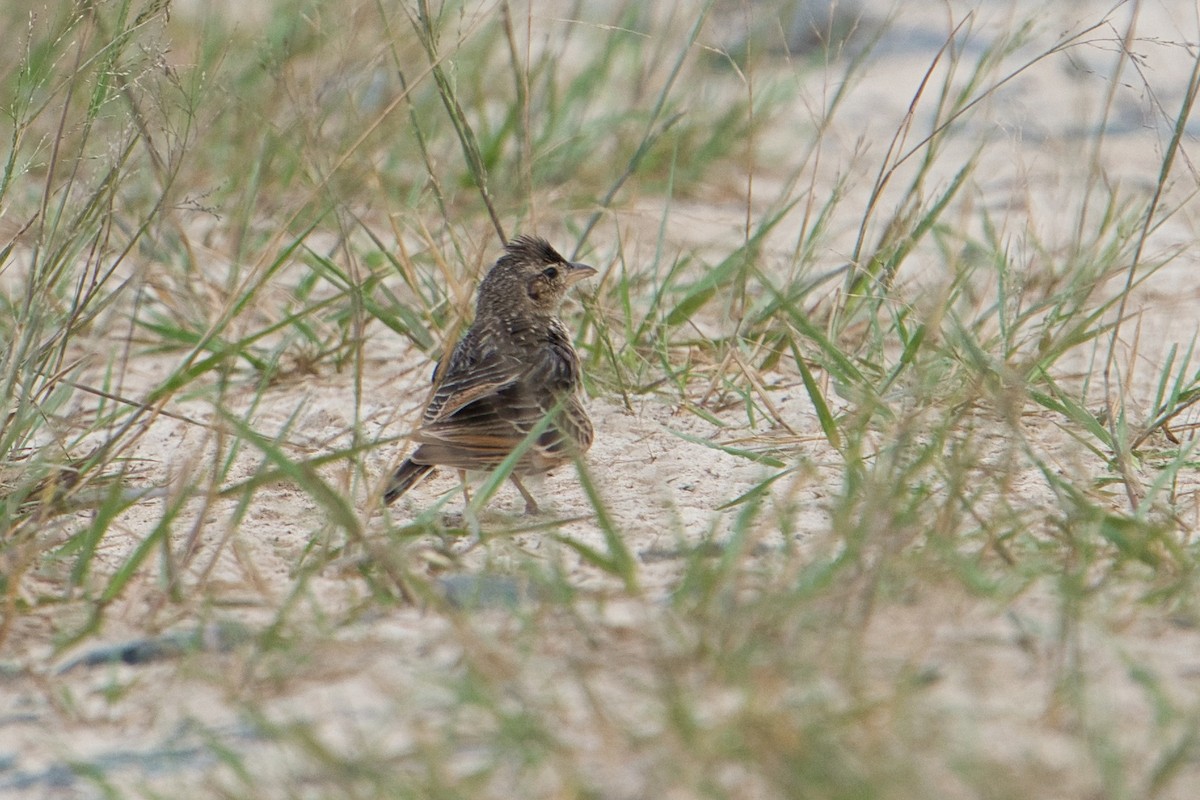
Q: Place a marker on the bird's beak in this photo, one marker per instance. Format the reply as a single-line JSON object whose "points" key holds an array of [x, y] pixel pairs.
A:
{"points": [[578, 272]]}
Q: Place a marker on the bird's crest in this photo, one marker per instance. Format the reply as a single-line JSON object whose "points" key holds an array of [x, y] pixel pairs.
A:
{"points": [[533, 248]]}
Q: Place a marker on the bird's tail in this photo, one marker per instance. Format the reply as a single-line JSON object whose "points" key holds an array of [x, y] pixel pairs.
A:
{"points": [[408, 475]]}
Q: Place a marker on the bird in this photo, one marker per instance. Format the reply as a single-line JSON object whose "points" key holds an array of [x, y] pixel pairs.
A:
{"points": [[515, 370]]}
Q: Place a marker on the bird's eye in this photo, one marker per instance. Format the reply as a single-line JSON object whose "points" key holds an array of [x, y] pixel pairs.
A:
{"points": [[550, 272]]}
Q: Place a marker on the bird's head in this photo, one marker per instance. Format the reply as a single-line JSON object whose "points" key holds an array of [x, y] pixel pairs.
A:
{"points": [[531, 278]]}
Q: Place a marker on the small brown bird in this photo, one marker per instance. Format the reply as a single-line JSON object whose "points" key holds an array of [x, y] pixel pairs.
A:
{"points": [[512, 369]]}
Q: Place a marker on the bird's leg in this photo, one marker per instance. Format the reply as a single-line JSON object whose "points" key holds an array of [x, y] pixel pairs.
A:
{"points": [[470, 520], [531, 506], [462, 477]]}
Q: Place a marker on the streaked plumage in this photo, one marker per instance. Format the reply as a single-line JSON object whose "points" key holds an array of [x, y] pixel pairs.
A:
{"points": [[515, 366]]}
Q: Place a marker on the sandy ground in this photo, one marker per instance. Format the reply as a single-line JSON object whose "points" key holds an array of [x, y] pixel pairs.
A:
{"points": [[992, 669]]}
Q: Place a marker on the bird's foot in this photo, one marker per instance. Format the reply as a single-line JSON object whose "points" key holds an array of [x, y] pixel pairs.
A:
{"points": [[531, 506]]}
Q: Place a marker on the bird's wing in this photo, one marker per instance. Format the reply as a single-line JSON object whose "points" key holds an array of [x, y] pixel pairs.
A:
{"points": [[498, 402], [470, 376]]}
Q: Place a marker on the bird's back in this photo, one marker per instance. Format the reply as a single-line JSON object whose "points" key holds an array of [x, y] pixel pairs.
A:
{"points": [[498, 384]]}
